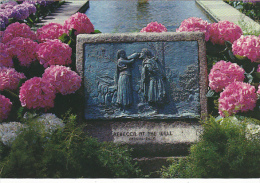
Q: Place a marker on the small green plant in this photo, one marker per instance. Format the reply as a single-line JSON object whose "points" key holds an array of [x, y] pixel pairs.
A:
{"points": [[228, 148], [67, 153]]}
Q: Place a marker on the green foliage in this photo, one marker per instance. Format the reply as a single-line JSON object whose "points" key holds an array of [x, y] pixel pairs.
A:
{"points": [[225, 150], [215, 53], [248, 8], [67, 153]]}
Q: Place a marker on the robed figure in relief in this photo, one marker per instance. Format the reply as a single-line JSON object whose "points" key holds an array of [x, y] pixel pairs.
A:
{"points": [[124, 78], [152, 79]]}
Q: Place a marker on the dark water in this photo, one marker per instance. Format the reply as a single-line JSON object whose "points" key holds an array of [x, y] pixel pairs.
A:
{"points": [[131, 16]]}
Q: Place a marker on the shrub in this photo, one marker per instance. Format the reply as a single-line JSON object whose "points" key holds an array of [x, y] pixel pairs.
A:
{"points": [[67, 153], [228, 148]]}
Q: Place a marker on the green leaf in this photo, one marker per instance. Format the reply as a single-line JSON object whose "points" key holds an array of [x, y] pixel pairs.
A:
{"points": [[228, 44], [64, 38], [210, 93], [72, 33], [231, 55], [96, 32], [69, 43]]}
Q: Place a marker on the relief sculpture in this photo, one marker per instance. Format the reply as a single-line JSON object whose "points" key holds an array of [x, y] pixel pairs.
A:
{"points": [[141, 81]]}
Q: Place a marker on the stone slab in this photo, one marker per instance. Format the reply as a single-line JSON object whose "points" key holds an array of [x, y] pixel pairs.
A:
{"points": [[180, 55], [160, 129]]}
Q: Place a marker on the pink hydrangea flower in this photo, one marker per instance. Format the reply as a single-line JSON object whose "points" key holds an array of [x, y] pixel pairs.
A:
{"points": [[5, 58], [237, 96], [80, 22], [194, 24], [247, 46], [258, 91], [224, 31], [9, 78], [5, 107], [50, 31], [54, 52], [223, 73], [24, 49], [37, 93], [258, 69], [154, 27], [18, 30], [63, 79]]}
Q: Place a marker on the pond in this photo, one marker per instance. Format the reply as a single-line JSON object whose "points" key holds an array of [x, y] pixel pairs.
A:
{"points": [[131, 16]]}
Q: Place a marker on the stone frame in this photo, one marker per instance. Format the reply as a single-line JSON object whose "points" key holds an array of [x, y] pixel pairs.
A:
{"points": [[83, 39]]}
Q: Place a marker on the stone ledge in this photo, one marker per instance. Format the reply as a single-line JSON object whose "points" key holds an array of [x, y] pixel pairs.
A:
{"points": [[219, 11], [65, 11]]}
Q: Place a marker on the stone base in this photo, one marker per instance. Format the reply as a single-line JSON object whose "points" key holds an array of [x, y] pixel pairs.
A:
{"points": [[149, 138]]}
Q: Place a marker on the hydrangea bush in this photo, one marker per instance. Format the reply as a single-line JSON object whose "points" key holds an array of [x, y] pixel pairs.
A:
{"points": [[35, 67]]}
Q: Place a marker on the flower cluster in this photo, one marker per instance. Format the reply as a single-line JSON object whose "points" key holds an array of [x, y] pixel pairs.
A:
{"points": [[16, 11], [24, 49], [194, 24], [80, 22], [54, 52], [20, 12], [154, 27], [63, 79], [5, 13], [5, 58], [18, 30], [3, 19], [50, 31], [224, 31], [5, 107], [9, 131], [253, 130], [258, 91], [247, 46], [50, 122], [258, 68], [237, 96], [9, 78], [8, 4], [223, 73], [37, 93]]}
